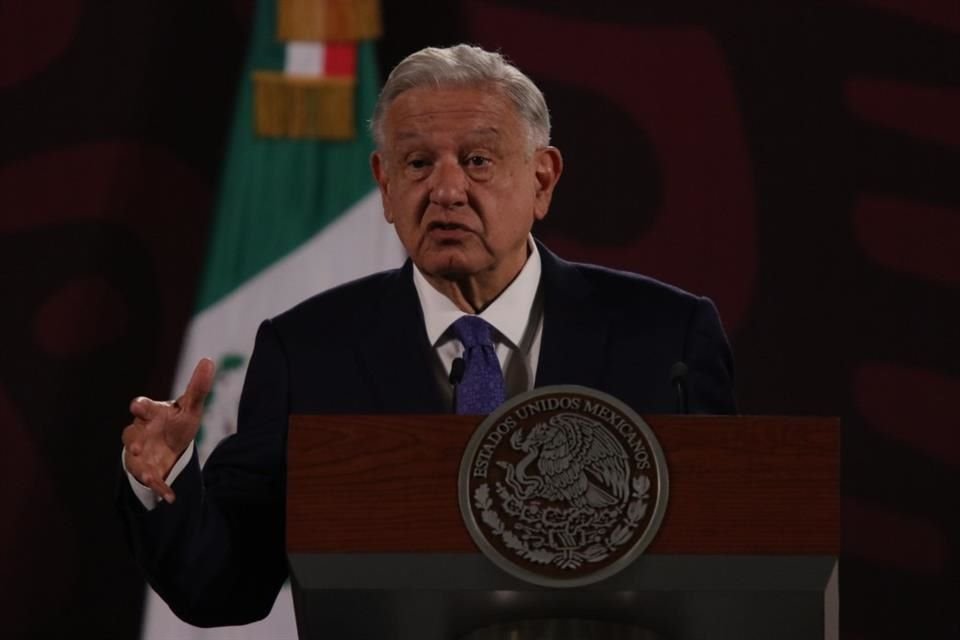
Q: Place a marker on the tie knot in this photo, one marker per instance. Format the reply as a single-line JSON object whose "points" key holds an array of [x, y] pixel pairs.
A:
{"points": [[472, 331]]}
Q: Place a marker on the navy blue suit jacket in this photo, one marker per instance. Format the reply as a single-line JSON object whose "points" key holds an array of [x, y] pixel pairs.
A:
{"points": [[216, 555]]}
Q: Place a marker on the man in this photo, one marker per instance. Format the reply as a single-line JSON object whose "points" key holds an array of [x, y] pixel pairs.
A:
{"points": [[464, 167]]}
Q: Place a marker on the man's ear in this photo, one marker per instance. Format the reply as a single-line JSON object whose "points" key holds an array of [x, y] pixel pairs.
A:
{"points": [[378, 165], [548, 165]]}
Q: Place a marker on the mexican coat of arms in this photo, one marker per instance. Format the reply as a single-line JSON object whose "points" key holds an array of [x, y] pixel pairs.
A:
{"points": [[563, 486]]}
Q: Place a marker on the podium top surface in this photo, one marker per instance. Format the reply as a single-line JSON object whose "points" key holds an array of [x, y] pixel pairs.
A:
{"points": [[750, 485]]}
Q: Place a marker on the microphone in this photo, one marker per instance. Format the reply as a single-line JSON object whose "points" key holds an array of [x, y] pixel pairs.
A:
{"points": [[456, 371], [456, 377], [678, 380]]}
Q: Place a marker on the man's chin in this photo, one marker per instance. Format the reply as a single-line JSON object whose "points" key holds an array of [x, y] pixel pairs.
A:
{"points": [[449, 265]]}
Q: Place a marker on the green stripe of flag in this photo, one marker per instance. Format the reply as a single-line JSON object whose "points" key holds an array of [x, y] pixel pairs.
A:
{"points": [[275, 194]]}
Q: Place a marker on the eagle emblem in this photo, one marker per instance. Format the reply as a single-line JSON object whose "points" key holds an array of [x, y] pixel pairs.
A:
{"points": [[577, 461], [557, 486]]}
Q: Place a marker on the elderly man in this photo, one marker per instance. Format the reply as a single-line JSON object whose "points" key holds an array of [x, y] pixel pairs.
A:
{"points": [[464, 167]]}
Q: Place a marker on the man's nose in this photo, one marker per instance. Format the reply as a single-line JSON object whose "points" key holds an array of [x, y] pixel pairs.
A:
{"points": [[448, 186]]}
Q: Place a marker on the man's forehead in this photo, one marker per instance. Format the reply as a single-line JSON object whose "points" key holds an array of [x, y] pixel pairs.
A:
{"points": [[412, 135], [467, 107]]}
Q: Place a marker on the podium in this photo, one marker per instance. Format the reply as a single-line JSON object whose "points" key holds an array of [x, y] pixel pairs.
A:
{"points": [[748, 546]]}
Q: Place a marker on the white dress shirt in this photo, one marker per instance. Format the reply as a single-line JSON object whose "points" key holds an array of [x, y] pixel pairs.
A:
{"points": [[516, 316]]}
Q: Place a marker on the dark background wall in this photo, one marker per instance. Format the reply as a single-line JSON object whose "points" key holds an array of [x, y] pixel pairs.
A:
{"points": [[796, 161]]}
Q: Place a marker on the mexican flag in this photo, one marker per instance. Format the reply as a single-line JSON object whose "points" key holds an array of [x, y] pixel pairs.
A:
{"points": [[296, 215]]}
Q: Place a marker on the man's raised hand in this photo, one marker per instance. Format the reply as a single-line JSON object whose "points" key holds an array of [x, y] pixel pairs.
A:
{"points": [[161, 431]]}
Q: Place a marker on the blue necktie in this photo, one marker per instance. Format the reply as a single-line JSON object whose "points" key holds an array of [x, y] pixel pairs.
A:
{"points": [[481, 390]]}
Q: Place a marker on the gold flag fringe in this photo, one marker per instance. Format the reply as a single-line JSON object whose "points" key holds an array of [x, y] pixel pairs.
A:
{"points": [[328, 20], [303, 107]]}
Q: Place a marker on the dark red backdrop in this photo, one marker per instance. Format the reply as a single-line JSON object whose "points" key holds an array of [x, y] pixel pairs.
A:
{"points": [[796, 161]]}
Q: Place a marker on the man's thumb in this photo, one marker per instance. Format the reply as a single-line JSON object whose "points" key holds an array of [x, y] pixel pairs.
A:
{"points": [[201, 382]]}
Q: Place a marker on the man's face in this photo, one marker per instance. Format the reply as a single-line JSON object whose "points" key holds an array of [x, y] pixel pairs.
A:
{"points": [[460, 182]]}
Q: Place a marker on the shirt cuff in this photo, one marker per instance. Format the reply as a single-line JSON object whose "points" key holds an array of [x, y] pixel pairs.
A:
{"points": [[145, 494]]}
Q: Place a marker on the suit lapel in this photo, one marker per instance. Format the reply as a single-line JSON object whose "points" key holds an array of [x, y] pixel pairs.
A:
{"points": [[396, 356], [574, 330], [396, 353]]}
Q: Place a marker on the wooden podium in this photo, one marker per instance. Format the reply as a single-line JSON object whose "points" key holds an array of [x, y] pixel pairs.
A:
{"points": [[748, 546]]}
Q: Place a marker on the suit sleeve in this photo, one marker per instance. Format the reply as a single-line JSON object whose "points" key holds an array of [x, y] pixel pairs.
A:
{"points": [[710, 382], [216, 555]]}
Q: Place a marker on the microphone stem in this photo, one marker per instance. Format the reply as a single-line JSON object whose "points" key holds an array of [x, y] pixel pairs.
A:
{"points": [[456, 376]]}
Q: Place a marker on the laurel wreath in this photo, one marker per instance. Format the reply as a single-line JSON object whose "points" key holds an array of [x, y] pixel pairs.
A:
{"points": [[568, 559]]}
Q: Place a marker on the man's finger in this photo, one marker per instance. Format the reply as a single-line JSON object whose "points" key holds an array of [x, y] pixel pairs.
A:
{"points": [[145, 408], [199, 386], [159, 487], [130, 434]]}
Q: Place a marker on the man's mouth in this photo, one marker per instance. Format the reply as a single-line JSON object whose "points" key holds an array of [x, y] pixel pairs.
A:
{"points": [[446, 226], [448, 232]]}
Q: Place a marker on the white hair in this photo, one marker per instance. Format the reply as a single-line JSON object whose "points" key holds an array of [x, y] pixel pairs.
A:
{"points": [[465, 66]]}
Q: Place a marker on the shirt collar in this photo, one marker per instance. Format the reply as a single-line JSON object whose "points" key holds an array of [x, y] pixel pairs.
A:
{"points": [[509, 313]]}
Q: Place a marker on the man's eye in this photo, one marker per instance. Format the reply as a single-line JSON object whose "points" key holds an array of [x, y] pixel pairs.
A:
{"points": [[478, 161], [417, 163]]}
